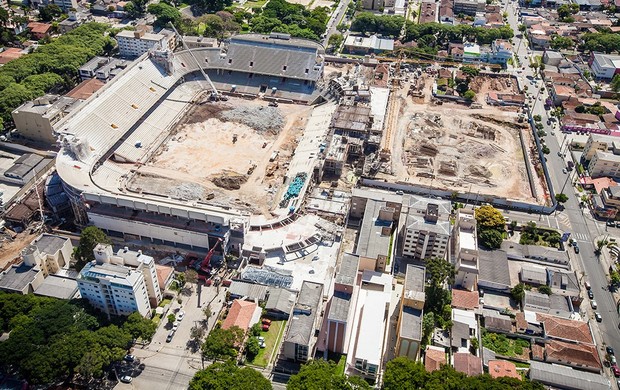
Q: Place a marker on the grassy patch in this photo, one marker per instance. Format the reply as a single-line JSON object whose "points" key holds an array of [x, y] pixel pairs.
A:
{"points": [[255, 4], [390, 250], [532, 235], [502, 345], [272, 340], [164, 302], [522, 365], [201, 28], [341, 365], [156, 319]]}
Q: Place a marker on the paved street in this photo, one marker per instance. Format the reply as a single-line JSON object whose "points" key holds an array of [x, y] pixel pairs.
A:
{"points": [[581, 225], [333, 22], [170, 366]]}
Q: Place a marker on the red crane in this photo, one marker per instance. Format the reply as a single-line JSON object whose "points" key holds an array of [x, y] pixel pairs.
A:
{"points": [[204, 266]]}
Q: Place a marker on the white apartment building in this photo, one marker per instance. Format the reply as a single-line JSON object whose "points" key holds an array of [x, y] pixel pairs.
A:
{"points": [[601, 142], [604, 66], [604, 164], [136, 43], [120, 284], [65, 5], [427, 227], [114, 289], [466, 250]]}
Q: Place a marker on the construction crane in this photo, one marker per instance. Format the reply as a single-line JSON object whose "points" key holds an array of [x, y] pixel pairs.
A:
{"points": [[215, 95], [204, 266]]}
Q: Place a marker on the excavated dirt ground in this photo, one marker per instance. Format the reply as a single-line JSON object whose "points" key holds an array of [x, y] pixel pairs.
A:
{"points": [[199, 161]]}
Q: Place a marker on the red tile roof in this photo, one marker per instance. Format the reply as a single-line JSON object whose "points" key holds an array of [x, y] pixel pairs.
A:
{"points": [[521, 321], [463, 299], [538, 352], [10, 54], [163, 273], [240, 314], [565, 329], [578, 355], [467, 363], [39, 28], [434, 357], [85, 89], [500, 368]]}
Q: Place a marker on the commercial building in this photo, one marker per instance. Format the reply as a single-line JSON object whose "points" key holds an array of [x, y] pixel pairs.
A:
{"points": [[466, 250], [37, 119], [501, 52], [562, 377], [120, 284], [280, 303], [373, 245], [136, 43], [338, 317], [604, 66], [65, 5], [368, 45], [299, 342], [409, 327], [427, 227]]}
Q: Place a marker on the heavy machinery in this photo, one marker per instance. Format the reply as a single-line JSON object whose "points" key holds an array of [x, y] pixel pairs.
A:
{"points": [[204, 266]]}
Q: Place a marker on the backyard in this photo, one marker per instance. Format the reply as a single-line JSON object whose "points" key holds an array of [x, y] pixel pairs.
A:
{"points": [[273, 337], [502, 345], [533, 235]]}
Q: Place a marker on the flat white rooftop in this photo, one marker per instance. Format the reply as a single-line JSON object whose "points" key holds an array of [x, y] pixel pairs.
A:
{"points": [[369, 345], [467, 239]]}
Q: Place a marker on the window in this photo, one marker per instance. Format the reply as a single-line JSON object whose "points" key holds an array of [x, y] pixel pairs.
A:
{"points": [[230, 60], [251, 63], [284, 68], [307, 70]]}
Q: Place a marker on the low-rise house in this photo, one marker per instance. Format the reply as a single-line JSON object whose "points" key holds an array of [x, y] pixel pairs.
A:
{"points": [[467, 363], [247, 291], [10, 54], [464, 328], [428, 11], [280, 303], [503, 99], [299, 342], [503, 368], [434, 358], [557, 305], [534, 275], [563, 282], [39, 30], [466, 300], [409, 327], [242, 314], [582, 356], [565, 329]]}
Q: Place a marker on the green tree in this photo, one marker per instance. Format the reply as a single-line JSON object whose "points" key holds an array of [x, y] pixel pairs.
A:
{"points": [[559, 42], [319, 374], [428, 324], [209, 6], [255, 330], [441, 273], [522, 28], [221, 344], [518, 292], [561, 198], [545, 149], [165, 14], [491, 238], [228, 376], [335, 40], [404, 374], [139, 327], [469, 94], [488, 217], [252, 348], [544, 289], [171, 318], [89, 238], [196, 333], [49, 12], [615, 278], [615, 83]]}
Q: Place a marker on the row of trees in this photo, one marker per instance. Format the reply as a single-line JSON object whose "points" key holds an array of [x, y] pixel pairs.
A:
{"points": [[51, 67], [605, 42], [400, 374], [437, 309], [294, 19], [52, 339]]}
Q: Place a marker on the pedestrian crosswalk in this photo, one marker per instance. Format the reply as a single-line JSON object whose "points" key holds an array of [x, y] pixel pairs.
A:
{"points": [[579, 236]]}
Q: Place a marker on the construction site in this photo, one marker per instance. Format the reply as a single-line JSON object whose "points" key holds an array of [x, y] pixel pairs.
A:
{"points": [[231, 154], [474, 148]]}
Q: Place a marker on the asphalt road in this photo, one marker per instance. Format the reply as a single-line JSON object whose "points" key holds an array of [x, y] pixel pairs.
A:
{"points": [[335, 20], [583, 227]]}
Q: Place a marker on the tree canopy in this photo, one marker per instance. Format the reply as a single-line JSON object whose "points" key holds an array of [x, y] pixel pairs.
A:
{"points": [[294, 19], [222, 344], [380, 24], [89, 238], [229, 376], [54, 65], [321, 375], [404, 374], [601, 41], [52, 339], [441, 273], [491, 226], [165, 14]]}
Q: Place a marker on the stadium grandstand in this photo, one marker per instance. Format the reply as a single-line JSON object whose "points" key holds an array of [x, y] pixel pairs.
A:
{"points": [[118, 129]]}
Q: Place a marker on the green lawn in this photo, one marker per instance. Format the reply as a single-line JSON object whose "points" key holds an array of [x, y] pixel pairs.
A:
{"points": [[272, 340], [156, 318], [164, 302], [502, 345]]}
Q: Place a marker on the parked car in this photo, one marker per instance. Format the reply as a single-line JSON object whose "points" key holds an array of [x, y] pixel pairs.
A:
{"points": [[129, 358], [587, 284], [609, 350], [612, 360], [170, 335], [610, 223], [266, 321], [590, 294], [564, 171], [265, 328], [576, 247], [616, 370], [175, 326], [593, 304], [180, 316], [262, 344], [126, 379], [598, 317]]}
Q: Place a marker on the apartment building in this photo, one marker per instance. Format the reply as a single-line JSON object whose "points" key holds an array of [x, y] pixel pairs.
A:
{"points": [[136, 43], [373, 245], [604, 164], [466, 250], [604, 66], [338, 314], [426, 227], [468, 7], [604, 143], [36, 120], [120, 284], [412, 301]]}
